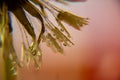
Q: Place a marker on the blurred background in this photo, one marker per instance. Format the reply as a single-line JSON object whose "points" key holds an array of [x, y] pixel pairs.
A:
{"points": [[96, 53]]}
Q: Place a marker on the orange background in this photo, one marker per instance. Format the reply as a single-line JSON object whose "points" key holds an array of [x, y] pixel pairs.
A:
{"points": [[96, 53]]}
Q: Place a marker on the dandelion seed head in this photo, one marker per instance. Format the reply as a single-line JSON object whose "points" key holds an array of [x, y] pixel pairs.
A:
{"points": [[54, 37]]}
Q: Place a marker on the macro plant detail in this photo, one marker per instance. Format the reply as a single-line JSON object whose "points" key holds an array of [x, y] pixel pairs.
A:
{"points": [[54, 35]]}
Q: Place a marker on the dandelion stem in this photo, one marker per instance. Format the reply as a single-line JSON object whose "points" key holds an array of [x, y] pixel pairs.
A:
{"points": [[10, 70], [8, 74]]}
